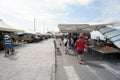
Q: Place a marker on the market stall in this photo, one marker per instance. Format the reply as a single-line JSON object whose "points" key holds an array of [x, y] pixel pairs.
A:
{"points": [[5, 28], [110, 45], [8, 28], [100, 52]]}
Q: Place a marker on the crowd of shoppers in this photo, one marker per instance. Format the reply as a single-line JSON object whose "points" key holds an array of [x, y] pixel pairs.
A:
{"points": [[78, 42]]}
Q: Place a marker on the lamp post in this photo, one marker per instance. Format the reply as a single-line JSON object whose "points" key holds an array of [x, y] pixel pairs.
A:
{"points": [[44, 25], [34, 25]]}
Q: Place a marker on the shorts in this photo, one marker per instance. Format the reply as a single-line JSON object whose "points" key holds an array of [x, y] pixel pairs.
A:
{"points": [[79, 52], [8, 46]]}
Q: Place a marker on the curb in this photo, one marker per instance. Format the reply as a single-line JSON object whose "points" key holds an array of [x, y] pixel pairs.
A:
{"points": [[54, 64], [53, 72]]}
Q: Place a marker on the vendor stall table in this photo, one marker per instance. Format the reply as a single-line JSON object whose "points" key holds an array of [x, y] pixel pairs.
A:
{"points": [[104, 51]]}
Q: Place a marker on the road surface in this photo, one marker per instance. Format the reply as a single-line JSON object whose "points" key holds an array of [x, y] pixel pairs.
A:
{"points": [[68, 67], [32, 61]]}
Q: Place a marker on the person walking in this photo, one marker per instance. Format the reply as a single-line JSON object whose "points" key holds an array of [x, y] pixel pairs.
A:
{"points": [[80, 45], [72, 42], [13, 43], [75, 38], [8, 44], [66, 42]]}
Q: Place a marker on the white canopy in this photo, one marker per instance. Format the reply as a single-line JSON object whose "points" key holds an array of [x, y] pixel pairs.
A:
{"points": [[6, 27], [30, 32], [79, 28], [74, 28]]}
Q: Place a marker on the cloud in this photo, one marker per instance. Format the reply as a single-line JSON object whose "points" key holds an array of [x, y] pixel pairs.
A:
{"points": [[27, 10], [85, 2], [62, 4], [22, 12], [110, 11], [33, 8], [23, 5]]}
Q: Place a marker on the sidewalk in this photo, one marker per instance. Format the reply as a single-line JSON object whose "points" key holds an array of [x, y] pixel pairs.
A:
{"points": [[33, 61]]}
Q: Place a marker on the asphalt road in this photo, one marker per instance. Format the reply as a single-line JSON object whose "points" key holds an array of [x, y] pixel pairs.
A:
{"points": [[68, 67], [33, 61]]}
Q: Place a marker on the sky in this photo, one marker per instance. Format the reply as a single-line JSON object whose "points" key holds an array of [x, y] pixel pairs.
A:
{"points": [[49, 13]]}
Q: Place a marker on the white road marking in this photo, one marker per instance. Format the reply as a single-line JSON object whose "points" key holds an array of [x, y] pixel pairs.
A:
{"points": [[71, 73], [93, 71], [107, 67]]}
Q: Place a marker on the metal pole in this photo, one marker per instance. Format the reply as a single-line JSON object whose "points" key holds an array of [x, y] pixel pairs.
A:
{"points": [[47, 30], [34, 25], [44, 26]]}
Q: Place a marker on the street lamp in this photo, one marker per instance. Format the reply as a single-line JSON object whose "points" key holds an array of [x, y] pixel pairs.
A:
{"points": [[34, 25]]}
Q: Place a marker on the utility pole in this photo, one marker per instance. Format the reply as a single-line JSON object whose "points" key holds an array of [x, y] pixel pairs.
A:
{"points": [[47, 29], [34, 25], [44, 26]]}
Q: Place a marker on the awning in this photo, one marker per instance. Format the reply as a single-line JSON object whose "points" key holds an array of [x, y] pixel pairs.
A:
{"points": [[109, 31], [97, 26], [74, 28], [6, 27]]}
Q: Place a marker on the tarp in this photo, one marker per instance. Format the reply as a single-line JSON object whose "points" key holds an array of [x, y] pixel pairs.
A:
{"points": [[110, 32], [74, 28], [6, 27], [114, 25]]}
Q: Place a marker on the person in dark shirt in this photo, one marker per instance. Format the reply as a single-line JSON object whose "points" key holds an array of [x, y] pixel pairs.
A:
{"points": [[75, 39]]}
